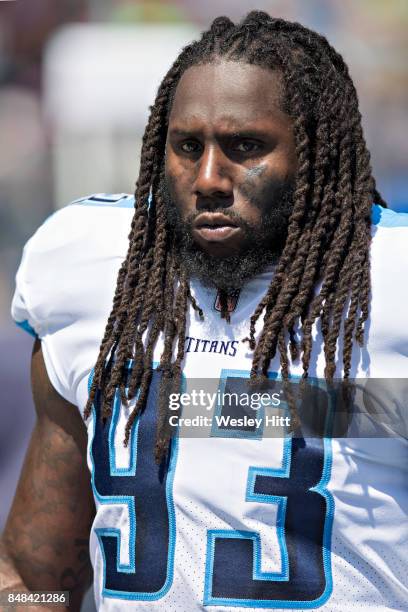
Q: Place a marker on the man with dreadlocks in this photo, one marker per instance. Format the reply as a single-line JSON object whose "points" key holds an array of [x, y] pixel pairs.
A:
{"points": [[256, 218]]}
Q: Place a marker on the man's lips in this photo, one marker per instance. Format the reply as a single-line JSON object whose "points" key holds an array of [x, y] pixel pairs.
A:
{"points": [[215, 227]]}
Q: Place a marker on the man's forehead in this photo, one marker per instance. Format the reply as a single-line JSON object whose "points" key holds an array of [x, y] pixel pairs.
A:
{"points": [[227, 91]]}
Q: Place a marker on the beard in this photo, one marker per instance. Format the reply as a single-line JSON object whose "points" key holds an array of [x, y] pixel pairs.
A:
{"points": [[261, 246]]}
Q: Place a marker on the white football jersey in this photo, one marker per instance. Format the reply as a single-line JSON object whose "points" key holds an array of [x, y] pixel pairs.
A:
{"points": [[240, 520]]}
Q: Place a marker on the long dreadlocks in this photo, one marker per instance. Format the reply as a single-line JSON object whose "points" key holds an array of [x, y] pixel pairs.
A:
{"points": [[328, 237]]}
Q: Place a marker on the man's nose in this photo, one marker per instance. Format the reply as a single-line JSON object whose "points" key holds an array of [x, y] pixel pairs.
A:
{"points": [[213, 180]]}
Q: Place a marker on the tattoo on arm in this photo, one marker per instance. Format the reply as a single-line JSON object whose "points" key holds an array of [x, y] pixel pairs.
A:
{"points": [[73, 579]]}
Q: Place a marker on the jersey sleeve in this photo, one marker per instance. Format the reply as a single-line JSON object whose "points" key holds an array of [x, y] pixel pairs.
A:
{"points": [[65, 285], [21, 311]]}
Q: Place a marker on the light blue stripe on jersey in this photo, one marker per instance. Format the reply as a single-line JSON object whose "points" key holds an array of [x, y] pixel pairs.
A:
{"points": [[27, 327], [385, 217]]}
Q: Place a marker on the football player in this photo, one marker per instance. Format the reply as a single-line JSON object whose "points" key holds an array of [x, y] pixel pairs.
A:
{"points": [[256, 247]]}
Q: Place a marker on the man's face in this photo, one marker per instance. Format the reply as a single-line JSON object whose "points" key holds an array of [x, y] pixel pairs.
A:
{"points": [[230, 166]]}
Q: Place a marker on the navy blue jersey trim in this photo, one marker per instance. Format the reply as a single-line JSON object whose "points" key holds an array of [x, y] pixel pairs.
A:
{"points": [[118, 200]]}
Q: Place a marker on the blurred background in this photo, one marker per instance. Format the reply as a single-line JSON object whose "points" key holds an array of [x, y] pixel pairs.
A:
{"points": [[76, 80]]}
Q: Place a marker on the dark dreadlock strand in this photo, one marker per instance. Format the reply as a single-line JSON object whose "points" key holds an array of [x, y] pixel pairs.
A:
{"points": [[322, 204], [114, 324], [323, 272], [141, 373], [223, 297], [172, 373], [150, 293], [195, 304]]}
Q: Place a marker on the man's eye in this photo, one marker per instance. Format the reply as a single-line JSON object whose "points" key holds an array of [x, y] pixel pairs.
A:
{"points": [[190, 146], [247, 146]]}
